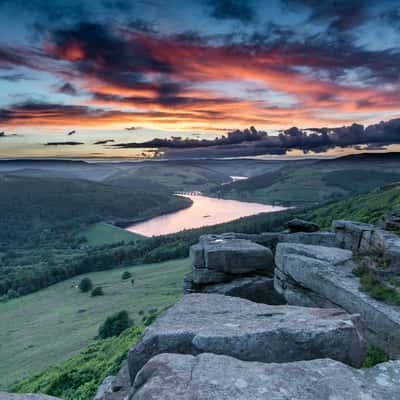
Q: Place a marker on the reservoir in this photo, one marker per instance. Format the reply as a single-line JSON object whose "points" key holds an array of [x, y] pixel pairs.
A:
{"points": [[204, 211]]}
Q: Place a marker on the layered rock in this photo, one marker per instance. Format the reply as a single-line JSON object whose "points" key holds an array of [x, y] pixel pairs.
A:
{"points": [[319, 276], [366, 239], [232, 263], [211, 377], [300, 225], [391, 220], [201, 323]]}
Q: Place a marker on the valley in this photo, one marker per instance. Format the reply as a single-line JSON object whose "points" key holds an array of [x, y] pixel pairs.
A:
{"points": [[70, 229]]}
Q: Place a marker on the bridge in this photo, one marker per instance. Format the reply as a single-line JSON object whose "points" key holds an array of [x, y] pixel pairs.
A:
{"points": [[193, 193]]}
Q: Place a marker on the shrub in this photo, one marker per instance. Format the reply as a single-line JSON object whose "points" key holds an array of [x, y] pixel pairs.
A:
{"points": [[12, 294], [374, 356], [126, 275], [97, 291], [114, 325], [85, 285]]}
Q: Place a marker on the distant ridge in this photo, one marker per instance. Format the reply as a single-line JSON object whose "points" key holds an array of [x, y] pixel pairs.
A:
{"points": [[392, 156]]}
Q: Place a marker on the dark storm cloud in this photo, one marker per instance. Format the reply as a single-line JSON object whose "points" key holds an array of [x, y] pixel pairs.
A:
{"points": [[68, 88], [104, 141], [233, 138], [341, 15], [10, 57], [14, 77], [392, 17], [252, 141], [32, 111], [241, 10], [64, 144]]}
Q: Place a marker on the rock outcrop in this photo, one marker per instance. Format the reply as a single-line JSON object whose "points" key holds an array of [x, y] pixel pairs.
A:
{"points": [[211, 377], [115, 387], [272, 316], [391, 221], [209, 323], [319, 276], [300, 225]]}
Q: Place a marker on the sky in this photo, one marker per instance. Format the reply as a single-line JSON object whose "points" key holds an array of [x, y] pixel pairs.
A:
{"points": [[74, 73]]}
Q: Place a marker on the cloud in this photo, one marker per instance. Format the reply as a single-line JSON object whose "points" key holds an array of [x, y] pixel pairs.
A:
{"points": [[341, 15], [64, 143], [14, 77], [68, 88], [232, 138], [240, 10], [251, 141], [104, 141], [179, 80]]}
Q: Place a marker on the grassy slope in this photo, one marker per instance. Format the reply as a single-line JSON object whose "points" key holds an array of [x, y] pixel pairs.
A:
{"points": [[102, 233], [78, 377], [315, 184], [173, 177], [61, 321], [366, 207]]}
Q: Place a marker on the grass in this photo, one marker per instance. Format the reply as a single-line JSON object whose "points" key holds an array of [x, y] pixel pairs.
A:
{"points": [[78, 377], [376, 289], [310, 185], [101, 233], [51, 325]]}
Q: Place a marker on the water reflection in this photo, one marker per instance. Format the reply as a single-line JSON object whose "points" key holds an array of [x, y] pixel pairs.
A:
{"points": [[204, 211]]}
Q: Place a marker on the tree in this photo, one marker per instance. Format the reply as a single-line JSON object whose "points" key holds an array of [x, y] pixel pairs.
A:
{"points": [[114, 325], [97, 291], [126, 275], [85, 285]]}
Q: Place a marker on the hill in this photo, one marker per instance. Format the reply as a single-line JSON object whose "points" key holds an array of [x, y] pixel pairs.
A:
{"points": [[51, 325], [324, 180], [41, 219], [103, 357]]}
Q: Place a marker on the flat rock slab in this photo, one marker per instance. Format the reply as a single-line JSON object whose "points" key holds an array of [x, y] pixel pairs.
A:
{"points": [[331, 255], [216, 377], [305, 276], [236, 256], [211, 323], [18, 396]]}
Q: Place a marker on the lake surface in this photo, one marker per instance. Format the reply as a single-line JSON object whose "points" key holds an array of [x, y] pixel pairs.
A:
{"points": [[204, 211]]}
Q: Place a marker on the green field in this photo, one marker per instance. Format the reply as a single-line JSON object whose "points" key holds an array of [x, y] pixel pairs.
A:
{"points": [[51, 325], [323, 181], [102, 233]]}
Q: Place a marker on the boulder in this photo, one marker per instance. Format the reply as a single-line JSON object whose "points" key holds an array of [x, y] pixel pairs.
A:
{"points": [[353, 236], [212, 323], [218, 377], [391, 221], [259, 289], [237, 256], [311, 279], [105, 389], [19, 396], [300, 225], [115, 387]]}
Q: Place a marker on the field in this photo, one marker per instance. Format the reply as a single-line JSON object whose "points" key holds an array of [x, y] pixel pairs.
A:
{"points": [[101, 233], [41, 220], [313, 185], [61, 320]]}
